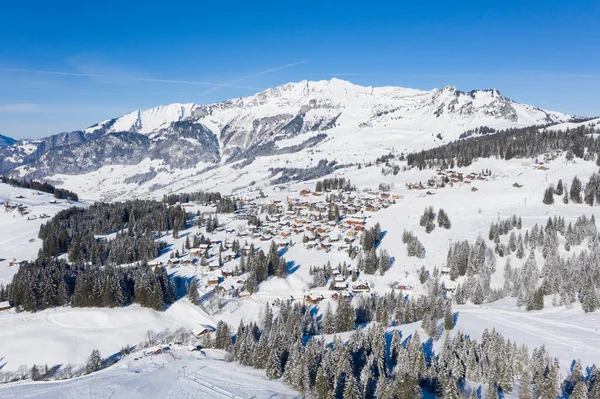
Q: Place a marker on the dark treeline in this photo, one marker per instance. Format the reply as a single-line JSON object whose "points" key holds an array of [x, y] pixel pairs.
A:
{"points": [[507, 144], [59, 193], [47, 283], [334, 183], [136, 222], [224, 204]]}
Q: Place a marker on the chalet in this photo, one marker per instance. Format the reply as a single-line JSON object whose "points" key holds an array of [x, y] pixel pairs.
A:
{"points": [[213, 281], [340, 286], [227, 273], [281, 244], [4, 306], [360, 288], [155, 263], [215, 242], [446, 270], [244, 294], [173, 262], [305, 192], [313, 298], [449, 286], [337, 295], [247, 249], [371, 208], [14, 262], [202, 331], [200, 250], [214, 265]]}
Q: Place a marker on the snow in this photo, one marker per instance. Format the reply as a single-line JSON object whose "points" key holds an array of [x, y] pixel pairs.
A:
{"points": [[18, 235], [68, 335], [207, 376]]}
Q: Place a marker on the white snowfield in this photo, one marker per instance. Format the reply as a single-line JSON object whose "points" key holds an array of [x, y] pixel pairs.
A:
{"points": [[179, 374], [19, 233]]}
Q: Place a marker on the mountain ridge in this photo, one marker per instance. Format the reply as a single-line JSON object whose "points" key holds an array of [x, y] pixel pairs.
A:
{"points": [[295, 118]]}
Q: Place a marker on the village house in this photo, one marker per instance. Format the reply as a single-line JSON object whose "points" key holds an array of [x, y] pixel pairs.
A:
{"points": [[313, 299], [202, 331], [4, 306], [212, 281], [361, 287]]}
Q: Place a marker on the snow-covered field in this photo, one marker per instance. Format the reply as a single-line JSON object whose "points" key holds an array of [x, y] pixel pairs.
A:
{"points": [[207, 376], [19, 234]]}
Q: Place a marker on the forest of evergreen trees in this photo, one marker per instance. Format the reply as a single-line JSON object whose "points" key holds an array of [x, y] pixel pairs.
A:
{"points": [[507, 144], [374, 363], [59, 193], [334, 183], [224, 204], [137, 223], [47, 283], [568, 279]]}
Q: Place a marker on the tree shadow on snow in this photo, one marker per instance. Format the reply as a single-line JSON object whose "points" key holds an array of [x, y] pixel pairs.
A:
{"points": [[291, 267], [383, 234]]}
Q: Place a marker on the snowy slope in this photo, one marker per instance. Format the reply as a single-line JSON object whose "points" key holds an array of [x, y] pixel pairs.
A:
{"points": [[207, 376]]}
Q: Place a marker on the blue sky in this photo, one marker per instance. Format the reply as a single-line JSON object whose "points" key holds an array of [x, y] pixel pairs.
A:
{"points": [[66, 65]]}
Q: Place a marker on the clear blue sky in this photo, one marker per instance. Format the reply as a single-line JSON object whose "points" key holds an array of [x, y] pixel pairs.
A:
{"points": [[109, 58]]}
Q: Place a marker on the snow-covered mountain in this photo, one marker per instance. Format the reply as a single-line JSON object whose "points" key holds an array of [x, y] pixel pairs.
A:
{"points": [[344, 121], [6, 141]]}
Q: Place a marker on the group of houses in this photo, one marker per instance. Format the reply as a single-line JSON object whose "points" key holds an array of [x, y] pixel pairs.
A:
{"points": [[445, 177], [325, 221]]}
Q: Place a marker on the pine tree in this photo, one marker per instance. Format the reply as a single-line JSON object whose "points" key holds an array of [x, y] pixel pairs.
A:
{"points": [[351, 390], [94, 362], [549, 196], [559, 188], [525, 391], [273, 366], [193, 291], [580, 391], [575, 191]]}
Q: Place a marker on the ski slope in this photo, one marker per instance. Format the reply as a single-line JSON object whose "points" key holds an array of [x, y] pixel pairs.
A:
{"points": [[207, 376]]}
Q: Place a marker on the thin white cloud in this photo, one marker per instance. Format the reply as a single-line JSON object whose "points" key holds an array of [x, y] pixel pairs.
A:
{"points": [[88, 75], [235, 81], [132, 78], [193, 82], [19, 108]]}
